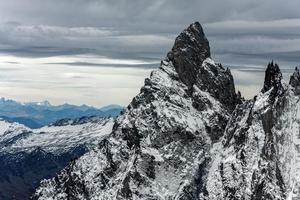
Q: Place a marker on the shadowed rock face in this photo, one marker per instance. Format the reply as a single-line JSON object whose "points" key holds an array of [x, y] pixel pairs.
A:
{"points": [[295, 78], [273, 78], [190, 49], [295, 81]]}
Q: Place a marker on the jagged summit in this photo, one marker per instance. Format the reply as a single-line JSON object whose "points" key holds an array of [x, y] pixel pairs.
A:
{"points": [[190, 57], [273, 77], [295, 80], [190, 49]]}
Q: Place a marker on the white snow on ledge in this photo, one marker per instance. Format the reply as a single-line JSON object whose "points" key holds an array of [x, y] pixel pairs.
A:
{"points": [[55, 139]]}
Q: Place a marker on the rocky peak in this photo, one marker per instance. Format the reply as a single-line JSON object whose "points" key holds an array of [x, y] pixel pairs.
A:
{"points": [[273, 78], [190, 56], [190, 49], [295, 78], [167, 131]]}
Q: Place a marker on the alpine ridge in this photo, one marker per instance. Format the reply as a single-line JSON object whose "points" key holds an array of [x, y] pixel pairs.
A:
{"points": [[259, 158], [188, 135], [29, 155]]}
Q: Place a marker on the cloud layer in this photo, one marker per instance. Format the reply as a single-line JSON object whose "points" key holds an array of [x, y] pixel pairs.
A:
{"points": [[133, 35]]}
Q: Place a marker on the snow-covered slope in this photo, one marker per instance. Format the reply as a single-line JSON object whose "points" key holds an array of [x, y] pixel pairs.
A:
{"points": [[8, 129], [259, 155], [287, 130], [160, 146], [56, 138], [30, 155]]}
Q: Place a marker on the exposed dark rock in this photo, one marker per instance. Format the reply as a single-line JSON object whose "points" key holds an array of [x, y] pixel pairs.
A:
{"points": [[295, 81], [190, 49], [273, 78], [219, 83], [295, 78], [239, 98]]}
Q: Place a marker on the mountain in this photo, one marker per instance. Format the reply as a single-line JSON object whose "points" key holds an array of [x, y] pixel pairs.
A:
{"points": [[188, 135], [111, 107], [163, 140], [38, 114], [29, 155], [31, 123]]}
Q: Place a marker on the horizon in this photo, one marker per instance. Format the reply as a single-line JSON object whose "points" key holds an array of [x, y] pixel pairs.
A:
{"points": [[43, 102], [253, 90]]}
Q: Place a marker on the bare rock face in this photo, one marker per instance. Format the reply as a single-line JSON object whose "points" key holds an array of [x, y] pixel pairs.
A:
{"points": [[273, 78], [190, 49], [295, 81]]}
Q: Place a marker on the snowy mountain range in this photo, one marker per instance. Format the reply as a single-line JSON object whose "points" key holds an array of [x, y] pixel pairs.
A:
{"points": [[187, 135], [29, 155], [38, 114]]}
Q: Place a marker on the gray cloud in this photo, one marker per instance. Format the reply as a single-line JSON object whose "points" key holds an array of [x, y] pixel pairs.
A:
{"points": [[244, 35], [133, 13], [43, 41], [141, 28]]}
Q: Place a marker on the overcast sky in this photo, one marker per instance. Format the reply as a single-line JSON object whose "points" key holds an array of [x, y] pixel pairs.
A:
{"points": [[98, 52]]}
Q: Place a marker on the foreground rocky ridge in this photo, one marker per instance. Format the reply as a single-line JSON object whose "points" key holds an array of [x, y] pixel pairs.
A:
{"points": [[188, 135]]}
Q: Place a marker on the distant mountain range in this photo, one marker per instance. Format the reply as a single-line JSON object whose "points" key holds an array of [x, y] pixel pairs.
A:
{"points": [[38, 114]]}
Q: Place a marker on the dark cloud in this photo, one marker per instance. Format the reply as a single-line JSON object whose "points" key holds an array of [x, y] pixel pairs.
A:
{"points": [[125, 13], [90, 64], [146, 29]]}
